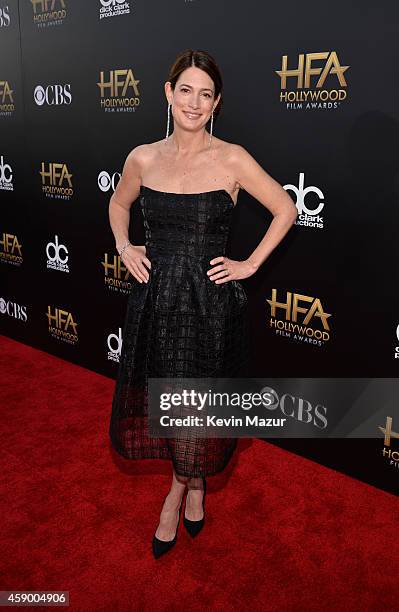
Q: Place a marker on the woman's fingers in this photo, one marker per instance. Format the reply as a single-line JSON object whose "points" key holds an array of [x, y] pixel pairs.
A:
{"points": [[134, 260], [138, 271], [147, 262], [219, 271], [221, 274], [142, 269]]}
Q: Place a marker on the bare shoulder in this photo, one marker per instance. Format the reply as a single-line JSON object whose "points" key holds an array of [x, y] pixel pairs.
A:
{"points": [[243, 166], [140, 154], [223, 147], [237, 153], [233, 154], [143, 156], [253, 178], [235, 157]]}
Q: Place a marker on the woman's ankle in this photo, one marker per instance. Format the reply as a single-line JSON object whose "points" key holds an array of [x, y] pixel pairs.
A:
{"points": [[196, 484]]}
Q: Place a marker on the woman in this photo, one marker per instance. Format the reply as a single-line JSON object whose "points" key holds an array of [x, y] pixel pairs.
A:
{"points": [[187, 312]]}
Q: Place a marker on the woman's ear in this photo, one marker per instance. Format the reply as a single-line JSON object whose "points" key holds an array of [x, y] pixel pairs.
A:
{"points": [[168, 91], [217, 101]]}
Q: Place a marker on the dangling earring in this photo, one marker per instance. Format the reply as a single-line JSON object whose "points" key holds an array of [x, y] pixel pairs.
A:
{"points": [[210, 133], [167, 128]]}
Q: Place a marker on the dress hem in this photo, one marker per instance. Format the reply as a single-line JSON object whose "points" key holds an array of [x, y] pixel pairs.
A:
{"points": [[169, 456]]}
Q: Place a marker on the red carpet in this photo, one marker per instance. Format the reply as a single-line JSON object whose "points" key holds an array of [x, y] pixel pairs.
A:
{"points": [[282, 532]]}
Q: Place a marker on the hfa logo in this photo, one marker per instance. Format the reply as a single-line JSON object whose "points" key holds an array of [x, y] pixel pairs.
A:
{"points": [[311, 312], [45, 6], [6, 98], [387, 452], [119, 91], [48, 12], [116, 274], [61, 325], [11, 251], [56, 181], [307, 92]]}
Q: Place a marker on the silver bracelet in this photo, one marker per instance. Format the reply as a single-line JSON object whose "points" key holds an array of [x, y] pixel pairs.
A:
{"points": [[123, 248]]}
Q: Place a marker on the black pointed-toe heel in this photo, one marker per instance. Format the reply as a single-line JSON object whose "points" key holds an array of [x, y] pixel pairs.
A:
{"points": [[160, 547], [194, 527]]}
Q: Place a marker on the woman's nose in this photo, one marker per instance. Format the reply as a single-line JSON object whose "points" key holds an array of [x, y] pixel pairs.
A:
{"points": [[194, 102]]}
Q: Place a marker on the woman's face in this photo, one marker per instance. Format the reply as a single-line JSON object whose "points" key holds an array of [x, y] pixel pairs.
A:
{"points": [[193, 98]]}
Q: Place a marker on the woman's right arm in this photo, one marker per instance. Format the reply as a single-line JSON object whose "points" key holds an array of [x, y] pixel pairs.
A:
{"points": [[126, 192]]}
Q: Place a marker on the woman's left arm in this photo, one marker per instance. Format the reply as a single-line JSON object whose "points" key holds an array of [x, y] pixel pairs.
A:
{"points": [[259, 184]]}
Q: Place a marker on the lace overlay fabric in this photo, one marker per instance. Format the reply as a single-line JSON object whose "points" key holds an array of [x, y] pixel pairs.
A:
{"points": [[179, 324]]}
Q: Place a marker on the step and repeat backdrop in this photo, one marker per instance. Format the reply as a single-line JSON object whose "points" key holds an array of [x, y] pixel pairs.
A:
{"points": [[311, 94]]}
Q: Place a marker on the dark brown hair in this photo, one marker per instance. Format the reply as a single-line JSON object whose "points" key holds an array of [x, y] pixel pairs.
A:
{"points": [[203, 60]]}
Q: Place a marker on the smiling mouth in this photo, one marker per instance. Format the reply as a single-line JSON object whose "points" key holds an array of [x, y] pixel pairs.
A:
{"points": [[192, 115]]}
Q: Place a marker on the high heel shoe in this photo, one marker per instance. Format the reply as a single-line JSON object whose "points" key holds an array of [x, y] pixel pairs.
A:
{"points": [[194, 527], [160, 547]]}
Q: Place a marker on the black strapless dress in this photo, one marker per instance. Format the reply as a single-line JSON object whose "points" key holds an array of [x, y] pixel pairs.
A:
{"points": [[179, 324]]}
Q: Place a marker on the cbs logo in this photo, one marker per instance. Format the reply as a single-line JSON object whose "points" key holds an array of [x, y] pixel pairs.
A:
{"points": [[4, 17], [53, 95], [106, 181]]}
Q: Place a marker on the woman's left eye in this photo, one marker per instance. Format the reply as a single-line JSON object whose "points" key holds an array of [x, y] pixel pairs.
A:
{"points": [[184, 90]]}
